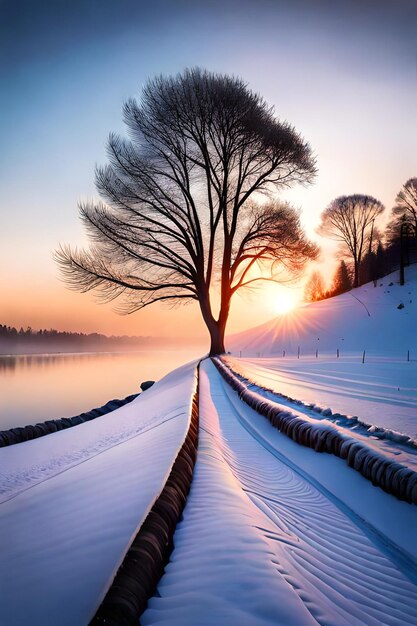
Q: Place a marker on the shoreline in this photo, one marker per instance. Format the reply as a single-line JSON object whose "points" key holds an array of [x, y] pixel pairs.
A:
{"points": [[20, 434]]}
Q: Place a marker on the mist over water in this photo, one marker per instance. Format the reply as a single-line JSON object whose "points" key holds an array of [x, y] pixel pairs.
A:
{"points": [[35, 388]]}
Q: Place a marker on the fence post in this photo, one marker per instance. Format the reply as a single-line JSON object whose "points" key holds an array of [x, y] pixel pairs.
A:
{"points": [[298, 354], [408, 355], [317, 353], [337, 353], [363, 357]]}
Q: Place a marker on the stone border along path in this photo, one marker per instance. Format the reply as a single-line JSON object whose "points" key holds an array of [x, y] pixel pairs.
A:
{"points": [[19, 434], [392, 477], [144, 564]]}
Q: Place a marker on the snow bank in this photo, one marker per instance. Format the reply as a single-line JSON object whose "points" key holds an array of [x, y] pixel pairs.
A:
{"points": [[149, 552], [72, 502], [384, 472]]}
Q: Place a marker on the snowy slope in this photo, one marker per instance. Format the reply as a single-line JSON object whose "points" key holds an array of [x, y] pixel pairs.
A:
{"points": [[71, 502], [332, 335], [343, 323]]}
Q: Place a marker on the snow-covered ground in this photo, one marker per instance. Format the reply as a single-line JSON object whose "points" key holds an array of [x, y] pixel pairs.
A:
{"points": [[71, 503], [381, 391], [272, 532], [276, 534]]}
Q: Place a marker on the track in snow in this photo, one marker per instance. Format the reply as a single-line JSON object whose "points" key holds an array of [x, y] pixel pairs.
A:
{"points": [[260, 544]]}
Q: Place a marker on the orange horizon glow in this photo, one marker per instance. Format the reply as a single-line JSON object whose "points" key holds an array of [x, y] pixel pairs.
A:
{"points": [[49, 304]]}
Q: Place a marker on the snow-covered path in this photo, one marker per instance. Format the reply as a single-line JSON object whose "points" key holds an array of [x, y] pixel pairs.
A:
{"points": [[261, 543]]}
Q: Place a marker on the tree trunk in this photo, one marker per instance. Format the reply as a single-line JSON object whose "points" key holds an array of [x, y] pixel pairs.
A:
{"points": [[356, 274], [217, 339], [215, 327], [219, 328]]}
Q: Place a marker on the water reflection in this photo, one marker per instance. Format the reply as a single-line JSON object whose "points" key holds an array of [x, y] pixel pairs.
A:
{"points": [[38, 387], [27, 361]]}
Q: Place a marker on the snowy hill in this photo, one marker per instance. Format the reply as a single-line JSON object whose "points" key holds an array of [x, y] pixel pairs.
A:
{"points": [[366, 318]]}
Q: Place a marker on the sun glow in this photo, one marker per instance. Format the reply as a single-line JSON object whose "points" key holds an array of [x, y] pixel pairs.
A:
{"points": [[285, 303]]}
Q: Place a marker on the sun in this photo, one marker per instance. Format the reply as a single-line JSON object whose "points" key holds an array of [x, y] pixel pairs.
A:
{"points": [[285, 302]]}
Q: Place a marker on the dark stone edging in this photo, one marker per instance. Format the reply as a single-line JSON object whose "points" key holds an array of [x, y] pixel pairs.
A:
{"points": [[144, 564], [394, 478], [26, 433]]}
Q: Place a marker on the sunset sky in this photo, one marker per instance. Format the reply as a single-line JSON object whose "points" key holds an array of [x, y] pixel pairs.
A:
{"points": [[343, 73]]}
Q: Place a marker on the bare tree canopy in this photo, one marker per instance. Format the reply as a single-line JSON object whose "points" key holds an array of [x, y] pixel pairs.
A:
{"points": [[406, 204], [350, 220], [187, 201], [397, 224]]}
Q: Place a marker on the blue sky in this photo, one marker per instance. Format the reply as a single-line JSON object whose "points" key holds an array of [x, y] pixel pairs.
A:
{"points": [[344, 73]]}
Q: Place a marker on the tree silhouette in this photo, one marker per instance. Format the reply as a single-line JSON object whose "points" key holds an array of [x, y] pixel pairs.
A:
{"points": [[188, 200], [342, 281], [406, 204], [350, 220]]}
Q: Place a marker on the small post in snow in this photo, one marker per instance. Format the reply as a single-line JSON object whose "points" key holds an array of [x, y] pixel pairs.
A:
{"points": [[317, 353], [337, 352], [408, 355], [283, 353], [363, 357], [298, 354], [240, 354]]}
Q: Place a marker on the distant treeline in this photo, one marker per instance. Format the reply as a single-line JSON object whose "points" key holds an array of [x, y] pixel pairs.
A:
{"points": [[14, 341], [382, 258]]}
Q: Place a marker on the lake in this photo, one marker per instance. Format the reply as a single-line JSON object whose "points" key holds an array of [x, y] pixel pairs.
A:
{"points": [[38, 387]]}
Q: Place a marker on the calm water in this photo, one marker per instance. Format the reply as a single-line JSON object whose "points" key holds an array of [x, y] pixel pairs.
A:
{"points": [[39, 387]]}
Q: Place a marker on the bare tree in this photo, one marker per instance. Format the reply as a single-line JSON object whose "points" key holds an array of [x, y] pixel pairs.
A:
{"points": [[314, 289], [406, 204], [188, 200], [350, 220]]}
